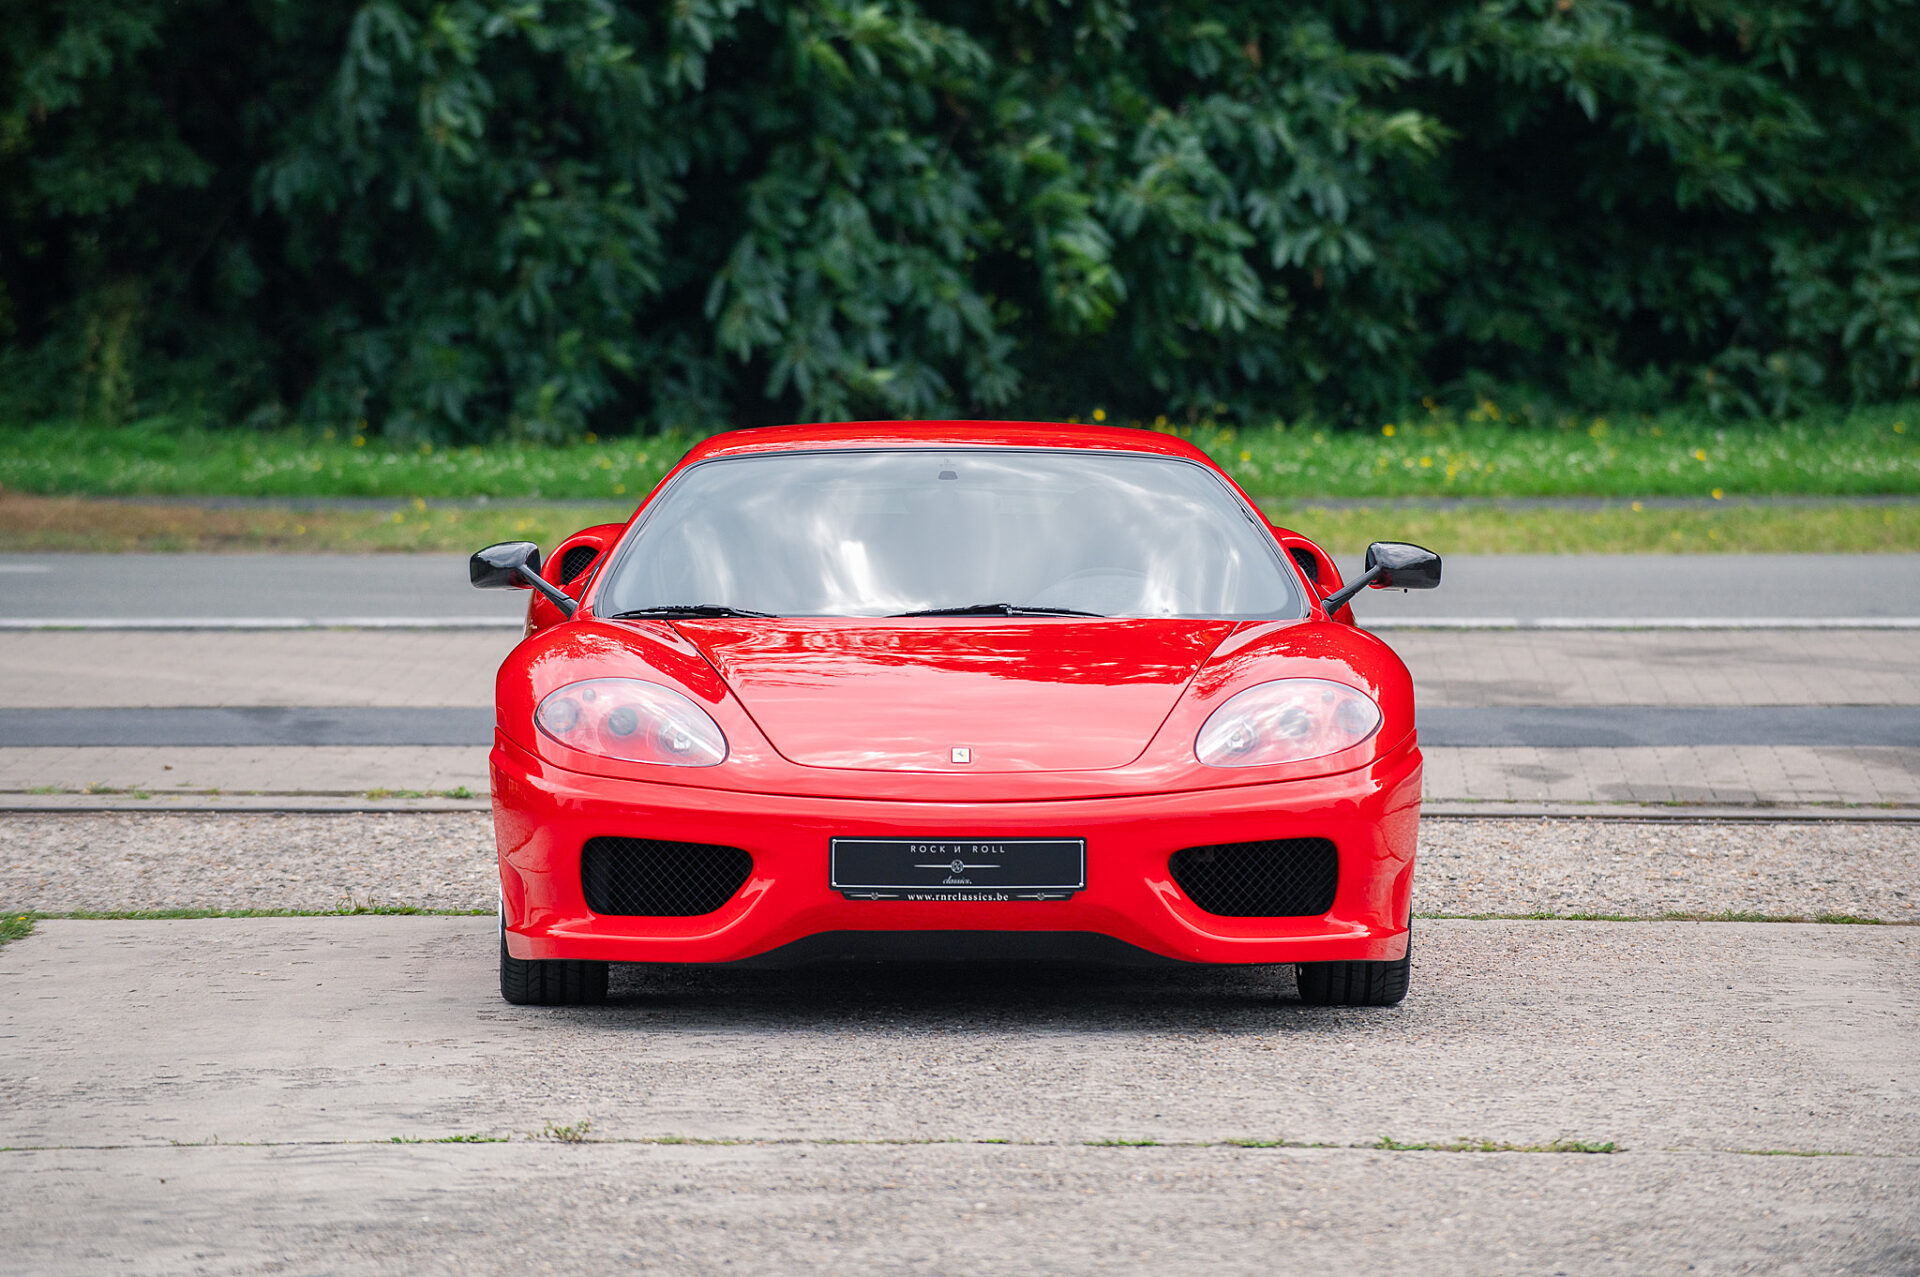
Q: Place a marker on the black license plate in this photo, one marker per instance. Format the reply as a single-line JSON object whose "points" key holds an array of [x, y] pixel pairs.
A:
{"points": [[958, 868]]}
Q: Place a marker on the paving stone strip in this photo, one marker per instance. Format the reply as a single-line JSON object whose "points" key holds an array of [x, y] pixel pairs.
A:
{"points": [[117, 861]]}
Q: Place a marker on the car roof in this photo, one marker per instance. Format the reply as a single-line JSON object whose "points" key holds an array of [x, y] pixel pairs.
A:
{"points": [[951, 434]]}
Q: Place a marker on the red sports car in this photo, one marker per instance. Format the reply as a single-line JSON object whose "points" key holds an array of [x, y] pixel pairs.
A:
{"points": [[952, 689]]}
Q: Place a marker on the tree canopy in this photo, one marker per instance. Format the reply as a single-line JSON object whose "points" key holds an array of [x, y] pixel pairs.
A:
{"points": [[466, 218]]}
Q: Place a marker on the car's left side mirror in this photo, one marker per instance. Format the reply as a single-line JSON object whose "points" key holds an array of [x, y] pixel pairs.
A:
{"points": [[1391, 565], [1402, 566]]}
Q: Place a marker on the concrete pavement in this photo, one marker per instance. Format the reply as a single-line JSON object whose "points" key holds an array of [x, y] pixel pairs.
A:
{"points": [[944, 1119], [959, 1208]]}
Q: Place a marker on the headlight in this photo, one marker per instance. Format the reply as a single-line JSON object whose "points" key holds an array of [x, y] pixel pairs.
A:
{"points": [[626, 718], [1286, 721]]}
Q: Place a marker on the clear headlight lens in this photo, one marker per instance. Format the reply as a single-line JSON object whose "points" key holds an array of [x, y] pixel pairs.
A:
{"points": [[1286, 721], [639, 722]]}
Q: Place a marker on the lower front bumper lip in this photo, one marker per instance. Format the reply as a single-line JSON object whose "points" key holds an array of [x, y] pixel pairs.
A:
{"points": [[544, 815]]}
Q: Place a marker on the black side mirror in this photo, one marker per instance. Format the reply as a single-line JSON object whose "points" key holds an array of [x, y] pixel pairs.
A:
{"points": [[515, 565], [1402, 566], [498, 567], [1390, 564]]}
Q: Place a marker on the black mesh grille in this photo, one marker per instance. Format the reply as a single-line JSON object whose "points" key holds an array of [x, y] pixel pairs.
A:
{"points": [[1284, 878], [576, 560], [660, 879], [1308, 563]]}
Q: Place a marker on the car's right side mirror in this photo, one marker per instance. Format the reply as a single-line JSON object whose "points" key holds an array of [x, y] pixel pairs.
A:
{"points": [[505, 566], [1402, 566], [516, 565]]}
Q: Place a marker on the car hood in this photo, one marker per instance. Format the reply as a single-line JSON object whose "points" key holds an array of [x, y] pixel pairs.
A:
{"points": [[904, 695]]}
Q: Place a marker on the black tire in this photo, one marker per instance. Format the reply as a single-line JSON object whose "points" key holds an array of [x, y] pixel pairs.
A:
{"points": [[1354, 984], [564, 982]]}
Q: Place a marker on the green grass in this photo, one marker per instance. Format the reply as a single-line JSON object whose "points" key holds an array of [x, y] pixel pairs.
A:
{"points": [[159, 459], [1389, 1144], [574, 1133], [15, 926], [379, 795], [1430, 454], [1423, 453]]}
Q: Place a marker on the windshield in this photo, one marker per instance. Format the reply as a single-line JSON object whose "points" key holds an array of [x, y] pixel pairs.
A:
{"points": [[1009, 532]]}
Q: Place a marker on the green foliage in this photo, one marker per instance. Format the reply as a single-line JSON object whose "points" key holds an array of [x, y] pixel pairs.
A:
{"points": [[1425, 454], [458, 220]]}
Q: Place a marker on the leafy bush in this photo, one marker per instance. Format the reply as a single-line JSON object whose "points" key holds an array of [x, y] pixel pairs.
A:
{"points": [[470, 218]]}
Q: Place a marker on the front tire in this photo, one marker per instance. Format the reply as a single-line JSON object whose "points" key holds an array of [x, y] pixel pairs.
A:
{"points": [[562, 982], [1355, 984]]}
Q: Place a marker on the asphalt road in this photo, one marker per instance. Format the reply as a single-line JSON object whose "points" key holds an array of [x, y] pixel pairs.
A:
{"points": [[434, 587], [223, 1095]]}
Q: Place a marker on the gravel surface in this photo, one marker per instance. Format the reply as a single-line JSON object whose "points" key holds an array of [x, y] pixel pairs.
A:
{"points": [[113, 861], [1565, 867]]}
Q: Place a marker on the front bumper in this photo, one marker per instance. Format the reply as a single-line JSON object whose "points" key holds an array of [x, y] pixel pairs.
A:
{"points": [[543, 815]]}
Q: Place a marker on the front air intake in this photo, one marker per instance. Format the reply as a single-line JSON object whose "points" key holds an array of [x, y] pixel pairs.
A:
{"points": [[1282, 878], [641, 876]]}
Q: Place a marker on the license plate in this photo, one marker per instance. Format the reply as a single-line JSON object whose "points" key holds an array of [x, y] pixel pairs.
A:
{"points": [[985, 869]]}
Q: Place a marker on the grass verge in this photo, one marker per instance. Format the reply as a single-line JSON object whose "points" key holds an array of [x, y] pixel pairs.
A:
{"points": [[1388, 1143], [39, 524], [42, 524], [1425, 452], [170, 915]]}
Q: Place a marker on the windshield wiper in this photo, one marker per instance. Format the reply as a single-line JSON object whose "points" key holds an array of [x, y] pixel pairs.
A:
{"points": [[665, 610], [997, 609]]}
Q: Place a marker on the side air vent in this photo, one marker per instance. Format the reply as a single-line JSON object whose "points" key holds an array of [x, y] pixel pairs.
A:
{"points": [[1283, 878], [576, 560], [1308, 563], [641, 876]]}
